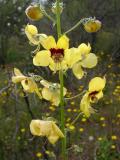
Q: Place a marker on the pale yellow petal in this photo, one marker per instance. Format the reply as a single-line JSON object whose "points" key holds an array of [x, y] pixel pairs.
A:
{"points": [[53, 66], [16, 79], [57, 130], [45, 83], [55, 98], [63, 42], [85, 106], [29, 85], [31, 29], [38, 93], [34, 40], [49, 42], [55, 134], [99, 95], [51, 92], [84, 49], [31, 33], [35, 127], [42, 37], [53, 139], [42, 58], [77, 70], [90, 61], [17, 72], [58, 66], [40, 127], [64, 91], [46, 127], [62, 65], [47, 94], [72, 56], [97, 84]]}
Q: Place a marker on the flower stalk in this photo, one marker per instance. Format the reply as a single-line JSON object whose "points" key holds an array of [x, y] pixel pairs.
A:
{"points": [[76, 96], [75, 26], [81, 21], [58, 21], [61, 78]]}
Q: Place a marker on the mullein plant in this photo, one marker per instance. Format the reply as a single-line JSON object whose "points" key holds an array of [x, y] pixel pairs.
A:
{"points": [[59, 57]]}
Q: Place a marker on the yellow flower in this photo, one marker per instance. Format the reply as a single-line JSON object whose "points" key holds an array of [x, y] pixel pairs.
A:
{"points": [[114, 137], [102, 118], [27, 83], [51, 92], [53, 56], [94, 93], [118, 115], [46, 128], [113, 147], [100, 138], [83, 119], [81, 129], [92, 26], [38, 154], [88, 60], [32, 34], [71, 127], [103, 125], [56, 55], [22, 130], [34, 12]]}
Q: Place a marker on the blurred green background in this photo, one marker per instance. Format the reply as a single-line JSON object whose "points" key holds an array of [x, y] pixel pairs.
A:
{"points": [[97, 138]]}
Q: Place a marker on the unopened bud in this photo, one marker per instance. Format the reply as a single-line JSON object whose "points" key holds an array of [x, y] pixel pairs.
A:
{"points": [[34, 12], [54, 7], [92, 25]]}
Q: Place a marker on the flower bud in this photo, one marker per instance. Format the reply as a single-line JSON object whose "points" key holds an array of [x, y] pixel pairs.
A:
{"points": [[92, 26], [54, 7], [31, 29], [34, 12]]}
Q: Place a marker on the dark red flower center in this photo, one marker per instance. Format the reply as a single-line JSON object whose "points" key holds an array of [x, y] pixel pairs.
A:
{"points": [[93, 95], [57, 54], [26, 82]]}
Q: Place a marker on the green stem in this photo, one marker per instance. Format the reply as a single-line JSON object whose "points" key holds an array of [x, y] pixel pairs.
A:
{"points": [[46, 14], [62, 110], [76, 96], [58, 18], [74, 121], [75, 26], [49, 17], [61, 78]]}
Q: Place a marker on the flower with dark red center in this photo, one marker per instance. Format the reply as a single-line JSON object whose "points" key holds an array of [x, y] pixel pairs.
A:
{"points": [[94, 93], [58, 55], [28, 84], [54, 55]]}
